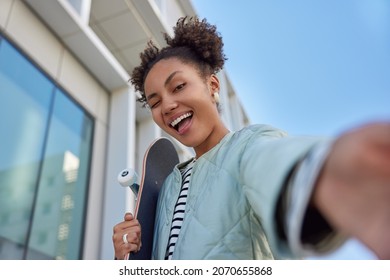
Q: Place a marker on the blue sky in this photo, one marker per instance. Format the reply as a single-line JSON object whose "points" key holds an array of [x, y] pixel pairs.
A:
{"points": [[308, 67]]}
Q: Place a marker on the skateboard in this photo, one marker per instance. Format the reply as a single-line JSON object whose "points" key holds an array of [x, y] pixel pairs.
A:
{"points": [[159, 160]]}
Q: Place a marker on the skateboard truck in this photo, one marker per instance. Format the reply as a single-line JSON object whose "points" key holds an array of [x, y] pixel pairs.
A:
{"points": [[128, 178]]}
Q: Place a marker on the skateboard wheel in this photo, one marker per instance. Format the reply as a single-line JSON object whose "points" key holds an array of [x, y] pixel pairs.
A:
{"points": [[127, 177]]}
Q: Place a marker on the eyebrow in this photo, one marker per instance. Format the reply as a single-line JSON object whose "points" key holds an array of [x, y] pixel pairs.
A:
{"points": [[167, 81], [170, 77]]}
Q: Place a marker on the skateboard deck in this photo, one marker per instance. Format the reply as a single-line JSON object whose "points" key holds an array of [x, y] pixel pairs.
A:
{"points": [[159, 160]]}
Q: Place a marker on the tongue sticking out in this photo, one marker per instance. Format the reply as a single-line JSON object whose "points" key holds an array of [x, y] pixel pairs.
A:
{"points": [[183, 125]]}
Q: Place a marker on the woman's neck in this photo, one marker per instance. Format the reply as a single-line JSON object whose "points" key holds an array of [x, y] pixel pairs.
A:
{"points": [[214, 138]]}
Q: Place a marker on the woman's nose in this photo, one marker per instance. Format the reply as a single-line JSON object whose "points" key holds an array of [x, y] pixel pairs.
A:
{"points": [[169, 105]]}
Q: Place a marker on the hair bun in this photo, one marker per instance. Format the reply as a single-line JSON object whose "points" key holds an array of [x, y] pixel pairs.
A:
{"points": [[202, 38]]}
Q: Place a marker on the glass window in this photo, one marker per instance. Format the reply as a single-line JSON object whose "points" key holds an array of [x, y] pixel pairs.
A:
{"points": [[63, 183], [45, 148], [25, 97]]}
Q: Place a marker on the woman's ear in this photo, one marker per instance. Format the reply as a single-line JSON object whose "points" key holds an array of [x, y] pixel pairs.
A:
{"points": [[214, 84]]}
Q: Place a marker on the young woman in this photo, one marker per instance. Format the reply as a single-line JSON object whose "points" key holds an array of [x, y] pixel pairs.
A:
{"points": [[254, 193]]}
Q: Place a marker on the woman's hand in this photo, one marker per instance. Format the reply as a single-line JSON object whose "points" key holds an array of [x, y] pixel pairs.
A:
{"points": [[126, 237], [353, 190]]}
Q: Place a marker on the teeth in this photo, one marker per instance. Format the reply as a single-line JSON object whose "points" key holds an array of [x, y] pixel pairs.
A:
{"points": [[179, 119]]}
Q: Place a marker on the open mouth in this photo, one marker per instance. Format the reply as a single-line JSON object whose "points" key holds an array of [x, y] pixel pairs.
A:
{"points": [[181, 121]]}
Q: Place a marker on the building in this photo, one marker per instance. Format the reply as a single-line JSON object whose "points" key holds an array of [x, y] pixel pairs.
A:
{"points": [[70, 122]]}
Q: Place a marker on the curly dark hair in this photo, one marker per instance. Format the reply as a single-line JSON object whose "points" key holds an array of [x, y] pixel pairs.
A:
{"points": [[195, 42]]}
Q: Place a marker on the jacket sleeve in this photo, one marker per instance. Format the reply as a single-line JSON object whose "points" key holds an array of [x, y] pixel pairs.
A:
{"points": [[266, 165], [306, 230]]}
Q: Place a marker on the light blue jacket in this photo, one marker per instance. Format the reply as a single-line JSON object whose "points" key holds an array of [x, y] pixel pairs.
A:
{"points": [[231, 204]]}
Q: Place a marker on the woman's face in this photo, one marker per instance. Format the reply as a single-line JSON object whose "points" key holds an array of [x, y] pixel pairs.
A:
{"points": [[182, 104]]}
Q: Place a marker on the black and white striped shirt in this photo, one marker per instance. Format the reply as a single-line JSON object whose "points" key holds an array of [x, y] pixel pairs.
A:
{"points": [[178, 214]]}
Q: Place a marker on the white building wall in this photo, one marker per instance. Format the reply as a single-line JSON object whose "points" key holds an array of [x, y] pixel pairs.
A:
{"points": [[23, 27], [147, 131], [224, 98], [168, 10], [83, 8], [120, 155]]}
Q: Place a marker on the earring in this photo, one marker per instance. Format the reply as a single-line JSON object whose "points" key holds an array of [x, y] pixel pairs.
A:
{"points": [[216, 97]]}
